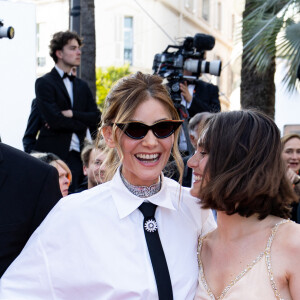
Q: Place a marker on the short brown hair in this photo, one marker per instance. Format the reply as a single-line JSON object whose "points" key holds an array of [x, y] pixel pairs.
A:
{"points": [[245, 172], [121, 103], [87, 149], [60, 39]]}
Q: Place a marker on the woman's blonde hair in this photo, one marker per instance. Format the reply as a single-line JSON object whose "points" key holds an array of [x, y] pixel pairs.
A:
{"points": [[53, 160], [120, 105], [61, 163]]}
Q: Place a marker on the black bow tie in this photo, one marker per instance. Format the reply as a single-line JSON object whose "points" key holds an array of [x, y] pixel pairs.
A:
{"points": [[66, 75]]}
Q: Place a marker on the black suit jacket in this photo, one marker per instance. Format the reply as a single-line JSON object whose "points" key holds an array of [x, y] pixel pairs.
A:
{"points": [[52, 97], [29, 189], [34, 124], [205, 98]]}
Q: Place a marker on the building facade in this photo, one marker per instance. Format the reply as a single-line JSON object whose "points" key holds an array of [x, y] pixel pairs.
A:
{"points": [[133, 31]]}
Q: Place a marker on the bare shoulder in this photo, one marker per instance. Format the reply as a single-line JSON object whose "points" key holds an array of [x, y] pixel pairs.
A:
{"points": [[289, 235], [287, 247]]}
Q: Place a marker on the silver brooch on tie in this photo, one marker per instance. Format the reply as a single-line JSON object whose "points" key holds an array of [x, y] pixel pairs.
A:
{"points": [[150, 225]]}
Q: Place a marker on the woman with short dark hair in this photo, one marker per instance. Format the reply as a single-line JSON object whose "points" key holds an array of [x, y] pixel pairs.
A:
{"points": [[253, 253]]}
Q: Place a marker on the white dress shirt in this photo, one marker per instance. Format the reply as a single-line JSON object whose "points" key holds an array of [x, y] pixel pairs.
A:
{"points": [[92, 246]]}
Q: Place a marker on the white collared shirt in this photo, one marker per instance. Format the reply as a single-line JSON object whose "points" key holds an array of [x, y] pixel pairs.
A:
{"points": [[75, 142], [92, 247]]}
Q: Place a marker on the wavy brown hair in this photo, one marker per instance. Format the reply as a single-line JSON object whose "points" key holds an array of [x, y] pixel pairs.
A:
{"points": [[120, 105], [245, 172]]}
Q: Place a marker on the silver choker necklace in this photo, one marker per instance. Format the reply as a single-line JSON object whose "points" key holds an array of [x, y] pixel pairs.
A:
{"points": [[142, 191]]}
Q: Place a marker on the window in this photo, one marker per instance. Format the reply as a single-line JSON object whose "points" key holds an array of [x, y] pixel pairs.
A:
{"points": [[190, 6], [205, 10], [128, 39], [232, 26], [41, 59], [219, 16]]}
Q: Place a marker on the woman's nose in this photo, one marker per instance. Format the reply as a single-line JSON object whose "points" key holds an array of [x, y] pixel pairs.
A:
{"points": [[150, 139], [192, 162]]}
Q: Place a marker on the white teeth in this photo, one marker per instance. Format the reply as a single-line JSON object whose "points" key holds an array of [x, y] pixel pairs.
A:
{"points": [[147, 156], [197, 178]]}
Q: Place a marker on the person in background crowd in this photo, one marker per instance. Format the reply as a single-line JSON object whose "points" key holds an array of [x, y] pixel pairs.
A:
{"points": [[28, 191], [197, 96], [254, 251], [94, 245], [66, 105], [291, 157], [64, 172], [195, 126], [34, 125], [93, 167]]}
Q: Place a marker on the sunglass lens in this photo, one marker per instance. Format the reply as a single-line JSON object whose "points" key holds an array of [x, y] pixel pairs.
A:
{"points": [[136, 130], [163, 129]]}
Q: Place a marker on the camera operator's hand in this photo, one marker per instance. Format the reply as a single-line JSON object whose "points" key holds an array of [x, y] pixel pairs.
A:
{"points": [[67, 113], [185, 92]]}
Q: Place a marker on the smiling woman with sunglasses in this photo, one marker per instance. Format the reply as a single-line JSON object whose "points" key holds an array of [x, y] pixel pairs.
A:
{"points": [[102, 244]]}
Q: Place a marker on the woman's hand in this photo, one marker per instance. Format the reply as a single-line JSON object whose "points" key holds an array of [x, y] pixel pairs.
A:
{"points": [[292, 176]]}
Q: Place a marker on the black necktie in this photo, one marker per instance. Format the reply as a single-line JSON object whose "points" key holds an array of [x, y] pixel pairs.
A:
{"points": [[71, 77], [156, 252]]}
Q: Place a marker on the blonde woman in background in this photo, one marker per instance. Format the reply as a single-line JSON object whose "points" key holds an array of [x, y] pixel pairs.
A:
{"points": [[64, 172], [291, 157]]}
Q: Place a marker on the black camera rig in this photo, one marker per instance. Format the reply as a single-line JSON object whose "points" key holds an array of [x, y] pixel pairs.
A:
{"points": [[190, 56], [7, 32]]}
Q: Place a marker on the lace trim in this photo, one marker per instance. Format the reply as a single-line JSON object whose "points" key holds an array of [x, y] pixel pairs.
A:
{"points": [[266, 252]]}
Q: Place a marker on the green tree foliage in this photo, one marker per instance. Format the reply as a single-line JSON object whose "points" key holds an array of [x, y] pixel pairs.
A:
{"points": [[105, 78], [271, 30]]}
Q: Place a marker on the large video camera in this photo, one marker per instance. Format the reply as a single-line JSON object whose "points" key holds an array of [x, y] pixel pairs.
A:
{"points": [[7, 32], [190, 56]]}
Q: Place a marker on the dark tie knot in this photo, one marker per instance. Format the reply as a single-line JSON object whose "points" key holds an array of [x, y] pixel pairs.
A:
{"points": [[66, 75], [148, 209]]}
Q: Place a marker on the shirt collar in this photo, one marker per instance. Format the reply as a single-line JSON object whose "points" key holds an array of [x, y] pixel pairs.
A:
{"points": [[126, 202]]}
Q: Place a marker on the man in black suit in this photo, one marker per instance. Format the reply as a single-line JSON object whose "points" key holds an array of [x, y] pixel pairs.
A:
{"points": [[28, 191], [66, 105], [34, 124]]}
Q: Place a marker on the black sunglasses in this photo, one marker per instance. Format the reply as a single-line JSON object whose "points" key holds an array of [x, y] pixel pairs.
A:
{"points": [[138, 130]]}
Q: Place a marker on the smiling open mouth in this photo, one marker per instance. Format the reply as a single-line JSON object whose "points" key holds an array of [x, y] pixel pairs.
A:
{"points": [[148, 157], [197, 178]]}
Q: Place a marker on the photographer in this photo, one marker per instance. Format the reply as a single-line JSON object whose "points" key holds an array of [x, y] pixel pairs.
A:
{"points": [[200, 96], [182, 68]]}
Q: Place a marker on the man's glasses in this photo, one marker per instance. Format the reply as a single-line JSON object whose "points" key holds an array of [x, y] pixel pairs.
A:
{"points": [[161, 129]]}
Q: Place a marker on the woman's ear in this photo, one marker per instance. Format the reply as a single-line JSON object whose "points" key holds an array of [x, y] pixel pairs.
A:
{"points": [[108, 136]]}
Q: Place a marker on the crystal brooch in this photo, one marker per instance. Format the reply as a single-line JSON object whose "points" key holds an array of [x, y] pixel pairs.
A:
{"points": [[150, 225]]}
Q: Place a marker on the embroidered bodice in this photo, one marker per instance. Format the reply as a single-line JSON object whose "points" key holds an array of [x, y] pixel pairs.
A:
{"points": [[256, 281]]}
